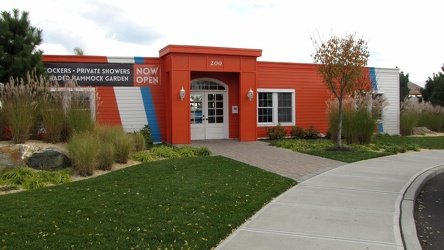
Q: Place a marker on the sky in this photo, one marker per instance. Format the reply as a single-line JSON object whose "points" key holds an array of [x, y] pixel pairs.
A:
{"points": [[404, 34]]}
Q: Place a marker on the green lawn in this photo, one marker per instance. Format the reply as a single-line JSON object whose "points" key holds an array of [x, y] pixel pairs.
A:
{"points": [[426, 142], [169, 204], [380, 146]]}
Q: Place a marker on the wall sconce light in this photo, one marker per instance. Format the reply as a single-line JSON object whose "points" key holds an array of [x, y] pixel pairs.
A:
{"points": [[182, 94], [250, 94]]}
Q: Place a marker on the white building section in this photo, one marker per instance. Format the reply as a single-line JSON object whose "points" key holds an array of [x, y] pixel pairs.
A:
{"points": [[131, 108]]}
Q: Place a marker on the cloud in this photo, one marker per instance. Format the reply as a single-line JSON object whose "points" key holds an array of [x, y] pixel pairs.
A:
{"points": [[248, 6], [68, 40], [118, 26]]}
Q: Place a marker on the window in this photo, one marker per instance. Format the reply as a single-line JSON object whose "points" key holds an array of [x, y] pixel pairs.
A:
{"points": [[79, 99], [276, 106], [206, 85]]}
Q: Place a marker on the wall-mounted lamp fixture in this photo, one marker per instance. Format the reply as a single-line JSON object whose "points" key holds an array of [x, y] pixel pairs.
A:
{"points": [[250, 94], [182, 94]]}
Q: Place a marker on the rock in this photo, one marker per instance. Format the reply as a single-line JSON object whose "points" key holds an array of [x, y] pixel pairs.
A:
{"points": [[50, 159], [422, 131], [27, 150], [11, 156]]}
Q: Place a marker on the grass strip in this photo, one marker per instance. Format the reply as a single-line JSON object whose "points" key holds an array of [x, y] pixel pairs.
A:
{"points": [[187, 203], [380, 146]]}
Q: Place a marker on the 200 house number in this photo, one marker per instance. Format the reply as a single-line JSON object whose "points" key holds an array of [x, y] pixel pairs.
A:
{"points": [[216, 63]]}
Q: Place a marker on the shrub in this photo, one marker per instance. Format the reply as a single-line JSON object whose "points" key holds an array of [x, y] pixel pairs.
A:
{"points": [[202, 151], [20, 107], [77, 105], [186, 151], [28, 178], [359, 117], [59, 177], [79, 120], [53, 118], [298, 132], [431, 120], [123, 146], [33, 182], [312, 132], [333, 119], [277, 132], [365, 125], [2, 122], [408, 120], [52, 115], [144, 156], [105, 157], [295, 145], [83, 149], [18, 176], [146, 132], [165, 151], [425, 114], [139, 141], [348, 128], [121, 142]]}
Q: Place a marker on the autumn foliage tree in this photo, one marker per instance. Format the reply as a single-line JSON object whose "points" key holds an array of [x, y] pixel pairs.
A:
{"points": [[341, 62]]}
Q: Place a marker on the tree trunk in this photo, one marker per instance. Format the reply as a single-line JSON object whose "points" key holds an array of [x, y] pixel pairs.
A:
{"points": [[340, 123]]}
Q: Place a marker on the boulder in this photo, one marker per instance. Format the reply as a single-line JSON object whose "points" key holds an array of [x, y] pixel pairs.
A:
{"points": [[15, 155], [422, 131], [50, 159]]}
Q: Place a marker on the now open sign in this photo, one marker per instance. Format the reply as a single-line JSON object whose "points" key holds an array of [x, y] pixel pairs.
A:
{"points": [[145, 75]]}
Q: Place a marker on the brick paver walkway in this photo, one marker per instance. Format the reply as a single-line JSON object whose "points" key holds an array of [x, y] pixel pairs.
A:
{"points": [[282, 161]]}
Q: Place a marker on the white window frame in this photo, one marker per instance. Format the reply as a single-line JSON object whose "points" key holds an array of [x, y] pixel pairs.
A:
{"points": [[275, 107], [92, 97]]}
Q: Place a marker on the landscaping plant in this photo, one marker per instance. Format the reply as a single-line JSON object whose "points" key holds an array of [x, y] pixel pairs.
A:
{"points": [[83, 149], [20, 106], [139, 141], [360, 115], [146, 132], [28, 178], [53, 116], [276, 132], [423, 114], [408, 121], [2, 120]]}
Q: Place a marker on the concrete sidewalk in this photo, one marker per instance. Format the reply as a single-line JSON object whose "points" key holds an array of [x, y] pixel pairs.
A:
{"points": [[363, 205]]}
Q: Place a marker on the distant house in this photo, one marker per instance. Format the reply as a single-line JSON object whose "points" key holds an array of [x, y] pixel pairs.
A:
{"points": [[415, 90]]}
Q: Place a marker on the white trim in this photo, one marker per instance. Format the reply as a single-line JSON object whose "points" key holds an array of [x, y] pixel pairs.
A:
{"points": [[275, 107]]}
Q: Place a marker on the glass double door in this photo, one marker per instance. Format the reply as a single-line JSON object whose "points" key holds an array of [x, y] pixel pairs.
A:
{"points": [[208, 115]]}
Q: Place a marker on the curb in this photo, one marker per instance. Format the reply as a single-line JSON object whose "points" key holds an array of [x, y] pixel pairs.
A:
{"points": [[407, 221]]}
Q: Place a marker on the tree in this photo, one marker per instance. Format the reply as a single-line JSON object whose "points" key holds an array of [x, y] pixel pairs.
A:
{"points": [[341, 63], [78, 51], [18, 46], [403, 86], [434, 89]]}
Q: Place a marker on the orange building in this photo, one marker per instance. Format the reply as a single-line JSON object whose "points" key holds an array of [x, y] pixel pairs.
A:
{"points": [[197, 93]]}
